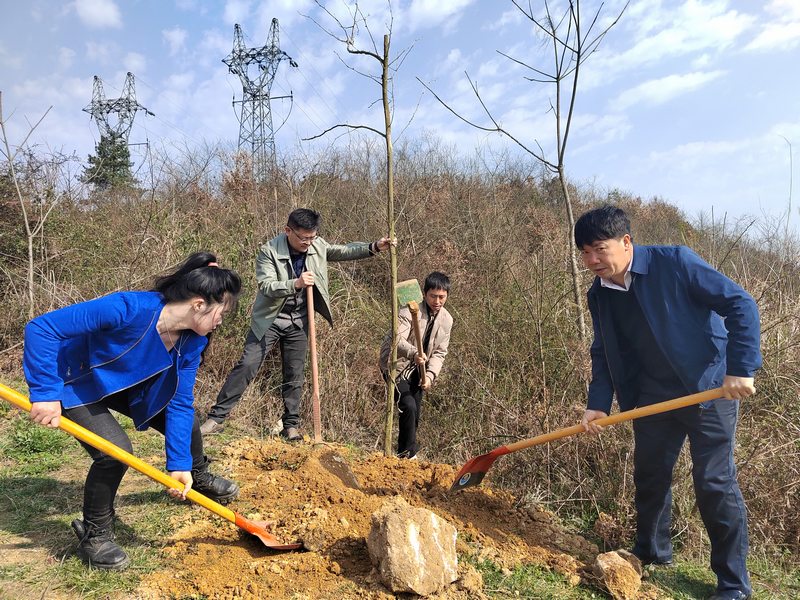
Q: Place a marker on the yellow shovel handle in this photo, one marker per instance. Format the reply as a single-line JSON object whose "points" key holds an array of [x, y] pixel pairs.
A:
{"points": [[121, 455], [628, 415]]}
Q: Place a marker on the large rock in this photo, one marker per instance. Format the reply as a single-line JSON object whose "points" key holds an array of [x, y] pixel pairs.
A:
{"points": [[413, 549], [619, 575]]}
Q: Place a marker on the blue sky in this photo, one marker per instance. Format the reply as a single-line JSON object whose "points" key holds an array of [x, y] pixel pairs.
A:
{"points": [[689, 100]]}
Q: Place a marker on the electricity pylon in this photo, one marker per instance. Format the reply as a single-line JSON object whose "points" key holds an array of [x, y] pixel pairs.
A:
{"points": [[124, 107], [256, 135]]}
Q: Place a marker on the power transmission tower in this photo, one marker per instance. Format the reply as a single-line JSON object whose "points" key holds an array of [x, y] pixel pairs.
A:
{"points": [[256, 134], [124, 107]]}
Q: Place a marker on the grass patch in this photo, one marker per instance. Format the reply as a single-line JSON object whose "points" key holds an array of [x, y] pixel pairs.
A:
{"points": [[684, 581], [74, 576], [34, 449], [529, 581]]}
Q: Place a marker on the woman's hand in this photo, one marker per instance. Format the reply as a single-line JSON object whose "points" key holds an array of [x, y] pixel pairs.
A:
{"points": [[47, 413], [185, 477]]}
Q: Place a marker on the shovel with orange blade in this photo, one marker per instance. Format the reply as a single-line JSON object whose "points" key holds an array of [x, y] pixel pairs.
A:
{"points": [[257, 528], [473, 471]]}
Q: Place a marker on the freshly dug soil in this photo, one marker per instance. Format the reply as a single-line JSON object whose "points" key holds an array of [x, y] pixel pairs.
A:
{"points": [[310, 494]]}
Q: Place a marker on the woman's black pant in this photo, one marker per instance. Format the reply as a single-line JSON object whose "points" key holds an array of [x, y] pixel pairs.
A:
{"points": [[106, 473]]}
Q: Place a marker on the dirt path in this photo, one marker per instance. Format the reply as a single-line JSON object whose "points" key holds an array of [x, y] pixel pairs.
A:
{"points": [[210, 558]]}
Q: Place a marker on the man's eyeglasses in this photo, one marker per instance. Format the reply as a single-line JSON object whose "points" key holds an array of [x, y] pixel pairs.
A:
{"points": [[306, 239]]}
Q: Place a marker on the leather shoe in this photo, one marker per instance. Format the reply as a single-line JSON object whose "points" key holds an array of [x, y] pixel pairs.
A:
{"points": [[211, 427], [732, 595], [654, 562], [291, 434]]}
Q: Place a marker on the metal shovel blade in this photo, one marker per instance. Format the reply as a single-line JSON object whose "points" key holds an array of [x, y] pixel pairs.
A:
{"points": [[259, 529]]}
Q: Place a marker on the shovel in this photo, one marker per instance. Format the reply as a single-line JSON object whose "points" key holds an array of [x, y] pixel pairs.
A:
{"points": [[409, 292], [257, 528], [312, 349], [474, 470]]}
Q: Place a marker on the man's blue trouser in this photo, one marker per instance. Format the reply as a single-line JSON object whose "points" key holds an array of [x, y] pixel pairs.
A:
{"points": [[711, 431]]}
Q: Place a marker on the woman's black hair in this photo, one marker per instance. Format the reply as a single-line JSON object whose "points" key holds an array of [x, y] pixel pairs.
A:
{"points": [[199, 276]]}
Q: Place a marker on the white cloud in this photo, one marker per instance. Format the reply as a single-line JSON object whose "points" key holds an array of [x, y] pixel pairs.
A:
{"points": [[135, 62], [777, 36], [286, 11], [99, 13], [592, 130], [9, 60], [99, 52], [236, 11], [435, 13], [512, 16], [176, 39], [66, 56], [662, 32], [664, 89], [782, 32], [786, 9]]}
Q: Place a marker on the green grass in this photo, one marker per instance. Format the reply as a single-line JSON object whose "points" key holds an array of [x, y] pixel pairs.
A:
{"points": [[530, 581], [41, 487], [34, 449]]}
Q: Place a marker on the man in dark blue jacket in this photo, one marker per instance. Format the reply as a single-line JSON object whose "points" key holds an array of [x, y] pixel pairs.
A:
{"points": [[667, 324]]}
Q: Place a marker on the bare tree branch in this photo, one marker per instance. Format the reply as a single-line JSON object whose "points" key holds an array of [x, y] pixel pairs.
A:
{"points": [[346, 125]]}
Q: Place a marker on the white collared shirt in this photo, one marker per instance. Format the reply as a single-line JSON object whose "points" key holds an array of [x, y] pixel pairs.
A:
{"points": [[628, 279]]}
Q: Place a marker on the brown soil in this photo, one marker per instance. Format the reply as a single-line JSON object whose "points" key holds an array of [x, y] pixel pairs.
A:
{"points": [[314, 500]]}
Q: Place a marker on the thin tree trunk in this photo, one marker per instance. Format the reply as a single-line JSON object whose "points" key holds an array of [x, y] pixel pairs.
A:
{"points": [[573, 262], [387, 441]]}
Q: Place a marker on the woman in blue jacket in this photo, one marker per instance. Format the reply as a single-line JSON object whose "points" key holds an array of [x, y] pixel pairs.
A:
{"points": [[136, 353]]}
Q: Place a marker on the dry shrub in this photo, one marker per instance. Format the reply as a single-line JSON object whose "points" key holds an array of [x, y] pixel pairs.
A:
{"points": [[516, 367]]}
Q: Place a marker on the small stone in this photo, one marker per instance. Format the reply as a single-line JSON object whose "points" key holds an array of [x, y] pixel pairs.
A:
{"points": [[344, 522]]}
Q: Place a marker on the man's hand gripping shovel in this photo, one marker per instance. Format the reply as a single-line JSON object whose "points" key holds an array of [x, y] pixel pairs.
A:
{"points": [[473, 471], [409, 293]]}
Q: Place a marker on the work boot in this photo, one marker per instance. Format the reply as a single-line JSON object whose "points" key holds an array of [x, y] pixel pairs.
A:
{"points": [[211, 427], [291, 434], [96, 546], [213, 486]]}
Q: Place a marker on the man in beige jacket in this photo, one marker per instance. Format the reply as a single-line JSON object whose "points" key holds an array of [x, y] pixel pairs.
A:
{"points": [[285, 267], [436, 323]]}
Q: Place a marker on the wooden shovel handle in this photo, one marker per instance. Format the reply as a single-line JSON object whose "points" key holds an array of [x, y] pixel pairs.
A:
{"points": [[312, 350], [414, 308], [628, 415]]}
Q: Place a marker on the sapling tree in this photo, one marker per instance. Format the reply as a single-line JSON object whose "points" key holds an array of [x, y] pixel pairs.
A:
{"points": [[571, 43], [347, 32]]}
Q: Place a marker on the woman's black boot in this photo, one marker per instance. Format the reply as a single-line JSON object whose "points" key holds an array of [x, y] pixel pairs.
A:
{"points": [[97, 547]]}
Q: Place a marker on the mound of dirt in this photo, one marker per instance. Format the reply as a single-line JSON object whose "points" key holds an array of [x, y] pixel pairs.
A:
{"points": [[314, 496]]}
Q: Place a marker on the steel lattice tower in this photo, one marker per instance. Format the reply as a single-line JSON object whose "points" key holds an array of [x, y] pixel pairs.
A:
{"points": [[124, 107], [256, 134]]}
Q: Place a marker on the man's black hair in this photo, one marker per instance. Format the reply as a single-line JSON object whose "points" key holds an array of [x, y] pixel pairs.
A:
{"points": [[304, 218], [437, 281], [604, 223]]}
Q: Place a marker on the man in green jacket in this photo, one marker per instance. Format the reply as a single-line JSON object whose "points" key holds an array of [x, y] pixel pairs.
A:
{"points": [[285, 266]]}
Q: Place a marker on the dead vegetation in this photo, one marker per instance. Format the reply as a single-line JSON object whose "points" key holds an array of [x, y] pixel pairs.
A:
{"points": [[516, 368]]}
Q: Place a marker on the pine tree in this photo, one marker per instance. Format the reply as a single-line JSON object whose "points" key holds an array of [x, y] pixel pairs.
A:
{"points": [[111, 165]]}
